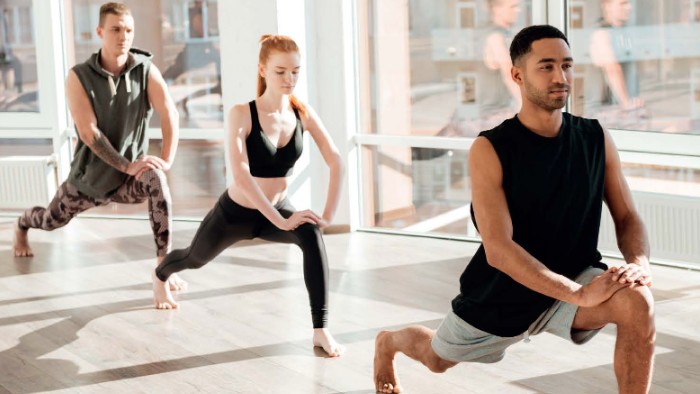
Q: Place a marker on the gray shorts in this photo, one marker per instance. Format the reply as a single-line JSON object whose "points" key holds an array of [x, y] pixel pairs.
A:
{"points": [[456, 340]]}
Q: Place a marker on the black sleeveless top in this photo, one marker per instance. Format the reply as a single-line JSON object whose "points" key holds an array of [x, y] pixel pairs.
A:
{"points": [[267, 160], [554, 191]]}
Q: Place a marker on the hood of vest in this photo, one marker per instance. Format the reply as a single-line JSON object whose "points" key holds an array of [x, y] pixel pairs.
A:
{"points": [[137, 57]]}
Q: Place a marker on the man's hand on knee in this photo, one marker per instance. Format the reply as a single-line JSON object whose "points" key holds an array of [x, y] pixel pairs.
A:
{"points": [[600, 289], [146, 163], [632, 273]]}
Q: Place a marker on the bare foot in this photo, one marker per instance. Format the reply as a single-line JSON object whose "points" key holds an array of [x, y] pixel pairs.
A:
{"points": [[324, 339], [385, 379], [20, 244], [176, 283], [161, 294]]}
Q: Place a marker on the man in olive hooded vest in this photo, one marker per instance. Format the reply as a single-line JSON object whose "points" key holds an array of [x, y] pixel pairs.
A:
{"points": [[111, 97]]}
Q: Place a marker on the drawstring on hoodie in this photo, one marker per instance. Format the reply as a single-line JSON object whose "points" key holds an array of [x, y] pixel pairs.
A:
{"points": [[113, 86], [127, 81]]}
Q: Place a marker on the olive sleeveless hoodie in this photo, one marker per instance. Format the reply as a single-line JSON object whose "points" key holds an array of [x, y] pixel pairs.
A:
{"points": [[122, 109]]}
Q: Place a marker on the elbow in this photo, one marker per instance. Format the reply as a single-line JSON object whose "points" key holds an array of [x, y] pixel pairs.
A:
{"points": [[240, 173], [336, 164], [495, 254], [171, 114], [174, 113], [89, 137]]}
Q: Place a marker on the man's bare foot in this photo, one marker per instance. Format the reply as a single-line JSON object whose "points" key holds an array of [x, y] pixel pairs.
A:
{"points": [[176, 283], [20, 244], [385, 379], [161, 294], [324, 339]]}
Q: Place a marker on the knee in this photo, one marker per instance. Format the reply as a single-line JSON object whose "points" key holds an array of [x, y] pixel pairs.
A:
{"points": [[308, 230], [155, 177], [156, 182], [634, 306]]}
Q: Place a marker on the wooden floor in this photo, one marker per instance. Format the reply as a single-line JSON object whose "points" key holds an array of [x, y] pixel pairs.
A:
{"points": [[78, 318]]}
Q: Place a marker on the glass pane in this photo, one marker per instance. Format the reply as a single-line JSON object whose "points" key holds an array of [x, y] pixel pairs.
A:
{"points": [[638, 63], [669, 180], [438, 67], [196, 180], [420, 190], [182, 35], [25, 147], [18, 68]]}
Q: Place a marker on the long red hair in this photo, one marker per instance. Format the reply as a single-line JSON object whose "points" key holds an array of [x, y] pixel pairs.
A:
{"points": [[268, 44]]}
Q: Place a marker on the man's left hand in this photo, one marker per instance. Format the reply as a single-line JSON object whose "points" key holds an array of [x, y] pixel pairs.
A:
{"points": [[156, 161], [632, 273]]}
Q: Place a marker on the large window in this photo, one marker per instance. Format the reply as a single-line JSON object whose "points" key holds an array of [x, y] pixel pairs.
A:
{"points": [[437, 72], [440, 68], [18, 68], [433, 74], [416, 190], [638, 63]]}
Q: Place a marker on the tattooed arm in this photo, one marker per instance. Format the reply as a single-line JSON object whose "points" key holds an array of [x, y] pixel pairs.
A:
{"points": [[86, 125]]}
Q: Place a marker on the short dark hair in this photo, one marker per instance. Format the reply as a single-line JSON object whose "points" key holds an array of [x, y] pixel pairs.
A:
{"points": [[522, 43], [113, 8]]}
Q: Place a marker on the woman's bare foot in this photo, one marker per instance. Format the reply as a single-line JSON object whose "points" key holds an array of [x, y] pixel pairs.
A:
{"points": [[385, 379], [20, 244], [324, 339], [176, 283], [161, 294]]}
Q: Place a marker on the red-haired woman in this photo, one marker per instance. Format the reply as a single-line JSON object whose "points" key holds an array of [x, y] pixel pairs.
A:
{"points": [[266, 140]]}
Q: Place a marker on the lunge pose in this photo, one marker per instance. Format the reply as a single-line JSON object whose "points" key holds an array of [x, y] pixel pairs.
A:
{"points": [[110, 98], [538, 182], [266, 139]]}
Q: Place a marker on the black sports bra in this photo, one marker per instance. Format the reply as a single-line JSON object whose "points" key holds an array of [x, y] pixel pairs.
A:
{"points": [[265, 159]]}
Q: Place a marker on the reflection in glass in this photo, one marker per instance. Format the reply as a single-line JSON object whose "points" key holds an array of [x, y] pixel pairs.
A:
{"points": [[182, 35], [638, 62], [18, 68], [442, 68], [420, 190], [25, 147]]}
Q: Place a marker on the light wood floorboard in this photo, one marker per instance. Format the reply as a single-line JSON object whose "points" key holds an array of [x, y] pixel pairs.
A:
{"points": [[78, 318]]}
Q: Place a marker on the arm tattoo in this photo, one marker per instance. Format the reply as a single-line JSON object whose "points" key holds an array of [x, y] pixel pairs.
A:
{"points": [[105, 151]]}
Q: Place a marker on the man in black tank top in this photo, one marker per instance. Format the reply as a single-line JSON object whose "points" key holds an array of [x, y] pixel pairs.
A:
{"points": [[538, 183]]}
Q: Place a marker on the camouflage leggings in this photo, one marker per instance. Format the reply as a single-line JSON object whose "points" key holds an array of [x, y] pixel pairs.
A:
{"points": [[68, 202]]}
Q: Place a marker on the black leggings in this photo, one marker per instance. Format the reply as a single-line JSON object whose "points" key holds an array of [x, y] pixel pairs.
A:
{"points": [[228, 223]]}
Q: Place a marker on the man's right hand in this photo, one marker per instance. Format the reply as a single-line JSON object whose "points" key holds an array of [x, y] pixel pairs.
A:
{"points": [[600, 289], [145, 163]]}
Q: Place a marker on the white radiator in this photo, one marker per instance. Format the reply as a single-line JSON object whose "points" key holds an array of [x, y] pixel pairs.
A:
{"points": [[673, 224], [26, 181]]}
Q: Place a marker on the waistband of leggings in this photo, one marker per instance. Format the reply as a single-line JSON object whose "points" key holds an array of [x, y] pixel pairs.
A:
{"points": [[233, 207]]}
